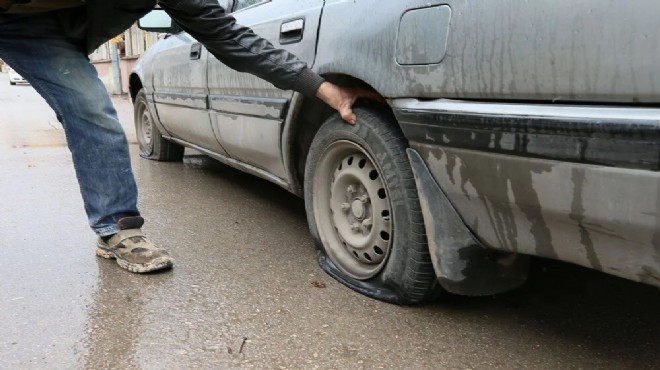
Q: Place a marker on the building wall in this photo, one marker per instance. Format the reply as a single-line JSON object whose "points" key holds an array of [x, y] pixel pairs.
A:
{"points": [[131, 44], [104, 69]]}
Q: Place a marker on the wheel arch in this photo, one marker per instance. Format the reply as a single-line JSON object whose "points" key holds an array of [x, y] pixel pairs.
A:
{"points": [[305, 118], [134, 85]]}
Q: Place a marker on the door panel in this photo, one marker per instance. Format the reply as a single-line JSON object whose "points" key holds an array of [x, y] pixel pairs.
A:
{"points": [[181, 93], [247, 113]]}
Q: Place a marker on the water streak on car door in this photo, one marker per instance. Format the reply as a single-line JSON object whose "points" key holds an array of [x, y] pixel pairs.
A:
{"points": [[247, 113], [181, 92]]}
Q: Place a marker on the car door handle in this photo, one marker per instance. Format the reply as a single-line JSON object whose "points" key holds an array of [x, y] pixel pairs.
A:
{"points": [[195, 51], [292, 31]]}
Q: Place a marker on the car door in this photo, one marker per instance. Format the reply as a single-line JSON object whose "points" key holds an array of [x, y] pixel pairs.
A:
{"points": [[247, 113], [181, 91]]}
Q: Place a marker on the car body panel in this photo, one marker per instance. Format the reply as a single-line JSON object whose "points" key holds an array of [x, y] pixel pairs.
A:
{"points": [[592, 50], [602, 216], [247, 112], [597, 220]]}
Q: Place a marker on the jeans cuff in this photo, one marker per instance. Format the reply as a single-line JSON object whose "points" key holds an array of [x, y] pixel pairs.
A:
{"points": [[106, 231]]}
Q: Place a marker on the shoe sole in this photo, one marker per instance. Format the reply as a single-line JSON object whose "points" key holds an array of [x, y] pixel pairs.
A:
{"points": [[140, 268]]}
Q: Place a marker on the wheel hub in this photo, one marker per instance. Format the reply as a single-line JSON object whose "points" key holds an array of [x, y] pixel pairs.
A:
{"points": [[145, 127], [358, 209], [359, 226]]}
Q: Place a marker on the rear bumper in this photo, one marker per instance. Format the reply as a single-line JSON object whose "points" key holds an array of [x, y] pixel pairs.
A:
{"points": [[578, 184]]}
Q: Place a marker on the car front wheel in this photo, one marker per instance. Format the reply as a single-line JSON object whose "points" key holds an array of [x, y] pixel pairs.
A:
{"points": [[363, 209], [152, 143]]}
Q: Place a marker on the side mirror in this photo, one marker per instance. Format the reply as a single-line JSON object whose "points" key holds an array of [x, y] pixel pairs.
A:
{"points": [[158, 21]]}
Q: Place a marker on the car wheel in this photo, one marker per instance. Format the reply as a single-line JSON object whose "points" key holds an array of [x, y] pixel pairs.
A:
{"points": [[151, 141], [363, 209]]}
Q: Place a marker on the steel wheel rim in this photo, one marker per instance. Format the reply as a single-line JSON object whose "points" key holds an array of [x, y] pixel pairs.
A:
{"points": [[354, 214], [145, 127]]}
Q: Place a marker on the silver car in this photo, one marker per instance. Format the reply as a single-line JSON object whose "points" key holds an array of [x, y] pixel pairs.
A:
{"points": [[513, 129], [14, 77]]}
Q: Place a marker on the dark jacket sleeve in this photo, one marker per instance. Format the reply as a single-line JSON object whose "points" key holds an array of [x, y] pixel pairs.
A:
{"points": [[239, 47]]}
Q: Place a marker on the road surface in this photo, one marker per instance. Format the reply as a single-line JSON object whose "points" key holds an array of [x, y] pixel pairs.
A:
{"points": [[245, 268]]}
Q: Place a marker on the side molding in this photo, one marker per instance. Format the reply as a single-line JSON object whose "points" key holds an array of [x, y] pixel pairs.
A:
{"points": [[462, 264]]}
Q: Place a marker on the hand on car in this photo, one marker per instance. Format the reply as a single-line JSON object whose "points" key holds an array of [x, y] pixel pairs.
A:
{"points": [[342, 98]]}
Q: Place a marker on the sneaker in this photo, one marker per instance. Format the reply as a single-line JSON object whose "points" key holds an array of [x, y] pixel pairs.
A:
{"points": [[132, 250]]}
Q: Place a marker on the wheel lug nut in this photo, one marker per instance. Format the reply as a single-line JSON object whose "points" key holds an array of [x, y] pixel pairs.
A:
{"points": [[350, 189], [355, 226], [345, 207], [367, 223], [364, 198]]}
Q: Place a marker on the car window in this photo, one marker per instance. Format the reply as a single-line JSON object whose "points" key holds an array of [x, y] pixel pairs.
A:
{"points": [[225, 4], [240, 4]]}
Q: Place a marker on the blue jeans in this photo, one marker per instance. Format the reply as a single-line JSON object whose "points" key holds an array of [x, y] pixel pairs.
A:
{"points": [[58, 68]]}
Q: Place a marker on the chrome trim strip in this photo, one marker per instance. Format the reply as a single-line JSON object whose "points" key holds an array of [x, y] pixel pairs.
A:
{"points": [[531, 110], [198, 101], [249, 106]]}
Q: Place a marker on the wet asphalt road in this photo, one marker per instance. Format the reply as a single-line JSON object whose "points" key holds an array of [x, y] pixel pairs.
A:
{"points": [[245, 268]]}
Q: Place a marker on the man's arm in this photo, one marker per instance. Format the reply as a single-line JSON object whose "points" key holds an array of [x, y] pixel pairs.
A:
{"points": [[241, 49]]}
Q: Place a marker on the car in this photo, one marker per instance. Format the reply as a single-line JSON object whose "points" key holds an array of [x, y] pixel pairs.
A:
{"points": [[512, 129], [14, 77]]}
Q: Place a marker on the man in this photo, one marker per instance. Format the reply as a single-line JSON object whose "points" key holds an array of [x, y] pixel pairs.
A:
{"points": [[47, 42]]}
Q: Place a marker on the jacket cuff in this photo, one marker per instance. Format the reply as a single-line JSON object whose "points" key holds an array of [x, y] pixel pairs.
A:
{"points": [[308, 83]]}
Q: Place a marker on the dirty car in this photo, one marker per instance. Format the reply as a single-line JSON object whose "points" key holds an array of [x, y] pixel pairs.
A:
{"points": [[512, 129]]}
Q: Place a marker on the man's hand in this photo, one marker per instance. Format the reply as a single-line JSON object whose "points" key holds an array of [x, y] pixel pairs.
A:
{"points": [[343, 98]]}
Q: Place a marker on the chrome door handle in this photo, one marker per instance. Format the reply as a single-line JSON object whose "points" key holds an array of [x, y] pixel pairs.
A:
{"points": [[292, 31], [195, 51]]}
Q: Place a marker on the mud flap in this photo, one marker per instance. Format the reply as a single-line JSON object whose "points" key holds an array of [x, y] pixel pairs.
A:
{"points": [[462, 264]]}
